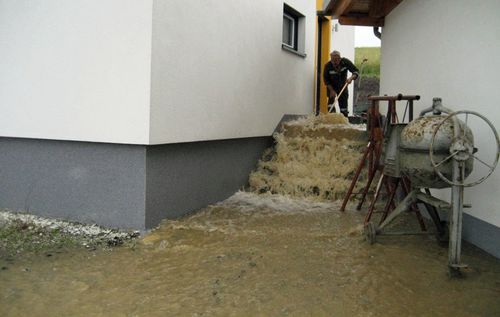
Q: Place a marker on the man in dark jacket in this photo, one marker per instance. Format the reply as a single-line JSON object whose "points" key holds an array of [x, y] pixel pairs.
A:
{"points": [[335, 77]]}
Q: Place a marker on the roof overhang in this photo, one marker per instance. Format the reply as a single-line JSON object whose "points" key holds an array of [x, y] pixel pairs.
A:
{"points": [[360, 12]]}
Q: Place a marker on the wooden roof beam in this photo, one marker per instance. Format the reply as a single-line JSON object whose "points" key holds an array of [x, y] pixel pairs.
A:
{"points": [[361, 21]]}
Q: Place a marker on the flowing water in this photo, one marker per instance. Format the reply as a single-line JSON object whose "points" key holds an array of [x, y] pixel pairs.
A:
{"points": [[261, 255], [315, 158], [255, 256]]}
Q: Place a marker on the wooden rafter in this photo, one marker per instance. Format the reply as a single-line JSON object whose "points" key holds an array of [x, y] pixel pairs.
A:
{"points": [[338, 8], [361, 12], [361, 21]]}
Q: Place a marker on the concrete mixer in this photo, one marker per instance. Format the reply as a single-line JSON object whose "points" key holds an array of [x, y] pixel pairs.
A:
{"points": [[436, 150]]}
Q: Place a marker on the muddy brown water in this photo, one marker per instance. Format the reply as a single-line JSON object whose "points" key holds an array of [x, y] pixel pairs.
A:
{"points": [[255, 256]]}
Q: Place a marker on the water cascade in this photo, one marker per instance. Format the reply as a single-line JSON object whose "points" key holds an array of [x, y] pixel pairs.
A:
{"points": [[314, 157]]}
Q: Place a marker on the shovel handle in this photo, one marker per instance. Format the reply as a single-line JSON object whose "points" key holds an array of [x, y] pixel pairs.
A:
{"points": [[338, 96]]}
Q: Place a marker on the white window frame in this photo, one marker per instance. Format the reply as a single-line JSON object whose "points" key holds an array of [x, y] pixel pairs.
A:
{"points": [[297, 22], [292, 31]]}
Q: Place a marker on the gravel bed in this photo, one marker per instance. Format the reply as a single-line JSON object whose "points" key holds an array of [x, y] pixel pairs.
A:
{"points": [[21, 233]]}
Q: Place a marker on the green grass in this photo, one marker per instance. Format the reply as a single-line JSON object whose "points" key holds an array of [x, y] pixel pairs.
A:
{"points": [[371, 67], [19, 237]]}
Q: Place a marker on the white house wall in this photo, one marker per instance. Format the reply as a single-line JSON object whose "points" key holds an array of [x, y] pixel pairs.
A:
{"points": [[75, 70], [449, 49], [218, 69]]}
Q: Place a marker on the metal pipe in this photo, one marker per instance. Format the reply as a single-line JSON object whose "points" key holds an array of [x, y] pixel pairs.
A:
{"points": [[396, 233], [436, 108], [457, 197], [394, 98]]}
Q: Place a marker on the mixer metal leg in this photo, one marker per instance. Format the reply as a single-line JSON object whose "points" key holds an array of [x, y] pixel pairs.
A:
{"points": [[371, 209], [366, 189], [455, 244], [368, 149], [414, 207], [388, 190], [457, 198], [390, 200], [370, 232], [403, 206], [442, 234]]}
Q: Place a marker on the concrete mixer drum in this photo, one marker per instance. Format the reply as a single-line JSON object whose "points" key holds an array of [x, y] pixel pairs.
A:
{"points": [[416, 140]]}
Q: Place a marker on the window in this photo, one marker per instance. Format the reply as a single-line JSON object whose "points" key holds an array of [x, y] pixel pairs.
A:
{"points": [[290, 24], [293, 31]]}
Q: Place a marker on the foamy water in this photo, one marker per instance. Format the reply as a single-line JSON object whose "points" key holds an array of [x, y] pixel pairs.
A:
{"points": [[314, 158]]}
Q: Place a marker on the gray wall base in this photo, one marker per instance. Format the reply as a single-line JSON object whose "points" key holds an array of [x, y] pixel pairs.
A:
{"points": [[78, 181], [482, 234], [123, 186], [185, 177]]}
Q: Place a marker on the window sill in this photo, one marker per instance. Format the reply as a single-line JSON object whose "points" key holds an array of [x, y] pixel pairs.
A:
{"points": [[291, 50]]}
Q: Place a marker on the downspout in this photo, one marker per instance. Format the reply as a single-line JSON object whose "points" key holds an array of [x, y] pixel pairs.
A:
{"points": [[377, 33]]}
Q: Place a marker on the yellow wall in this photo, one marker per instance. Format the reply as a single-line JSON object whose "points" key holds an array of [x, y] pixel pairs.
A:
{"points": [[326, 27]]}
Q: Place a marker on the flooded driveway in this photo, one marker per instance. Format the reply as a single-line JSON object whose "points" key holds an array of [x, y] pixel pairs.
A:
{"points": [[255, 255]]}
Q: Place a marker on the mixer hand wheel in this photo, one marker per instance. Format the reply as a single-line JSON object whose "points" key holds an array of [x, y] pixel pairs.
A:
{"points": [[463, 149]]}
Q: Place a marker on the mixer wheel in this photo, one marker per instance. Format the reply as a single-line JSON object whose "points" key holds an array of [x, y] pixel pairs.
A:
{"points": [[370, 232], [462, 149]]}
